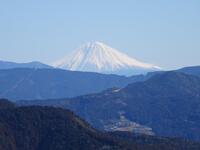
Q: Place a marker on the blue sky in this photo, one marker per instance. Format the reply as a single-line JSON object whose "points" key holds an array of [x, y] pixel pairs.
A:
{"points": [[163, 32]]}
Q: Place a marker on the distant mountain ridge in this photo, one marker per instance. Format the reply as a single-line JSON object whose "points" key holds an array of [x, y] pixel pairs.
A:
{"points": [[28, 84], [12, 65], [98, 57], [193, 70]]}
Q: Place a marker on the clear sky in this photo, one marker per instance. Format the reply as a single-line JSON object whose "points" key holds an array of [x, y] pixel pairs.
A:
{"points": [[163, 32]]}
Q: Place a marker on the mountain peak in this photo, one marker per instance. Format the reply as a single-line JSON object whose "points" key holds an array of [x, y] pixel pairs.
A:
{"points": [[99, 57], [92, 46], [93, 43]]}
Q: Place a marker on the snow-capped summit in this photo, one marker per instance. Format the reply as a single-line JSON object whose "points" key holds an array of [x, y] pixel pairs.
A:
{"points": [[98, 57]]}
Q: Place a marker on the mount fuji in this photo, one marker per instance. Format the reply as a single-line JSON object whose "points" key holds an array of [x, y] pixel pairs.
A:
{"points": [[98, 57]]}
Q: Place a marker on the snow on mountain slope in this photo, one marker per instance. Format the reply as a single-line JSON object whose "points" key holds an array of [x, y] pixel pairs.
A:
{"points": [[98, 57]]}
